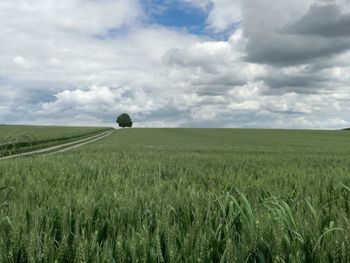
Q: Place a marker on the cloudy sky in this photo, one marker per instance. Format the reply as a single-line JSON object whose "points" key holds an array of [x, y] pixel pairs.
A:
{"points": [[176, 63]]}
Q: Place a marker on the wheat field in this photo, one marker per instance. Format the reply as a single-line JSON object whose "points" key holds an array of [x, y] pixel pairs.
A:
{"points": [[182, 195]]}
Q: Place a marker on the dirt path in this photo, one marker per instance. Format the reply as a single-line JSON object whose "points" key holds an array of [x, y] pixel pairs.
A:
{"points": [[82, 143], [62, 147]]}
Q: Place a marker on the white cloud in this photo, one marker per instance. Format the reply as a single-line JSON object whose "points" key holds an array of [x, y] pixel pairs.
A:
{"points": [[159, 124], [22, 62], [204, 4], [223, 14], [54, 62], [98, 99], [303, 122], [84, 62], [87, 17]]}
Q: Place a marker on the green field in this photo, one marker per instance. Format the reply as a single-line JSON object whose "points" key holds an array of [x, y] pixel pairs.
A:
{"points": [[14, 139], [182, 195]]}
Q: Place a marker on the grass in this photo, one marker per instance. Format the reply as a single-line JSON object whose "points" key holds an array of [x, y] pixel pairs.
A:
{"points": [[182, 195], [16, 139]]}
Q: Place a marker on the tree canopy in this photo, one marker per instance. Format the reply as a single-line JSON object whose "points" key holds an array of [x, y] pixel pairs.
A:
{"points": [[124, 120]]}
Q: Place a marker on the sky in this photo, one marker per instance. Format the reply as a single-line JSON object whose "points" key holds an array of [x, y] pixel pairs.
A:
{"points": [[176, 63]]}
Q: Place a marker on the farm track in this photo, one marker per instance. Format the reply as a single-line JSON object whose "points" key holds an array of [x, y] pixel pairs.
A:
{"points": [[62, 147]]}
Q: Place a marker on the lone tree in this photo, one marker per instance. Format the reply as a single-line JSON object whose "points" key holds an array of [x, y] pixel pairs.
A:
{"points": [[124, 120]]}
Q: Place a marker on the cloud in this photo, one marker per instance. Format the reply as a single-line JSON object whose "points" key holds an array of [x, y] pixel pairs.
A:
{"points": [[222, 14], [21, 61], [99, 99], [332, 24], [284, 64], [75, 16], [284, 43], [208, 56], [204, 4], [289, 50], [213, 67]]}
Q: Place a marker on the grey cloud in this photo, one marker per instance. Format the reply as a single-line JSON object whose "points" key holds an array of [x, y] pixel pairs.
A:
{"points": [[304, 90], [36, 96], [176, 57], [284, 50], [240, 120], [325, 21], [222, 80], [212, 90], [304, 83], [294, 32], [169, 114]]}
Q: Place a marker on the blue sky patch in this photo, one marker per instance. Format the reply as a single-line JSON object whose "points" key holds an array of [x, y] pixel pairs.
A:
{"points": [[177, 14]]}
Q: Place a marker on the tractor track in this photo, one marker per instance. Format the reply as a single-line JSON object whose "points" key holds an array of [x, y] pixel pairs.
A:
{"points": [[62, 147]]}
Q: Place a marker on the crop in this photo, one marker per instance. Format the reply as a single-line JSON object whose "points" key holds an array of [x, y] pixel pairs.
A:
{"points": [[182, 195], [18, 139]]}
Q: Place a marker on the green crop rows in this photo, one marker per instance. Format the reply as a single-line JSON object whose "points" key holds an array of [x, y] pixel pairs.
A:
{"points": [[182, 195], [16, 139]]}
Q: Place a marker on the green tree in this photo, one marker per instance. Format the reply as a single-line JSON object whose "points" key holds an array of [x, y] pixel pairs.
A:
{"points": [[124, 120]]}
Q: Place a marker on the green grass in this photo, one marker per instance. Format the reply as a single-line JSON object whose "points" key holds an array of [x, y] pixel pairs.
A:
{"points": [[21, 138], [182, 195]]}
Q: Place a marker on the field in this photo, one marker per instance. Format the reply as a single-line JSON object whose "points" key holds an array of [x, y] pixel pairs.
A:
{"points": [[14, 138], [182, 195]]}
